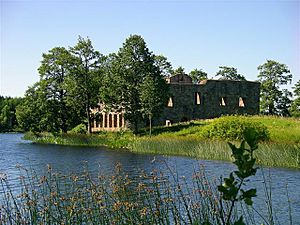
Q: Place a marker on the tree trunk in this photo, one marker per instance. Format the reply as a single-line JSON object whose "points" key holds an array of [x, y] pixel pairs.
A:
{"points": [[271, 109], [88, 116], [150, 124], [63, 112], [136, 129], [64, 127]]}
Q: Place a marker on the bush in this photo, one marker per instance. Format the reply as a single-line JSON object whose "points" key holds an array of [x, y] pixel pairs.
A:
{"points": [[79, 129], [233, 128]]}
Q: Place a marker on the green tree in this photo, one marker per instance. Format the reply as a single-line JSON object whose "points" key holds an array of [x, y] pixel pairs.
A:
{"points": [[198, 75], [179, 70], [5, 118], [125, 74], [164, 65], [86, 69], [229, 73], [272, 74], [295, 106], [112, 85], [8, 121], [284, 103], [152, 97], [53, 71], [297, 89], [36, 112]]}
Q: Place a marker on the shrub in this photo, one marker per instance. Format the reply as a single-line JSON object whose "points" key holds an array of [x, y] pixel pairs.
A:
{"points": [[233, 128], [79, 129]]}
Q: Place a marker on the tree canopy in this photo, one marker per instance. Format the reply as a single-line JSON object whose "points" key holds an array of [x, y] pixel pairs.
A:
{"points": [[68, 87], [179, 70], [198, 75], [164, 65], [54, 70], [229, 73], [8, 121], [130, 73], [295, 106], [272, 75], [86, 70], [37, 113]]}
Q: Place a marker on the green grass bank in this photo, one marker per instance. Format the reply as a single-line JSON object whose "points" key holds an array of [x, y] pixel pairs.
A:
{"points": [[203, 139]]}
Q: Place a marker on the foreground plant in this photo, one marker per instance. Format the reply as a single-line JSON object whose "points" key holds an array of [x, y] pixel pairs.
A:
{"points": [[232, 190]]}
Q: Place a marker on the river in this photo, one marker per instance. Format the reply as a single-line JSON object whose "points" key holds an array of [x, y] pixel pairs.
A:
{"points": [[15, 151]]}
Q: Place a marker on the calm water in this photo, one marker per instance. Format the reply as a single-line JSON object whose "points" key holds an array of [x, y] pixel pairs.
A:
{"points": [[14, 150]]}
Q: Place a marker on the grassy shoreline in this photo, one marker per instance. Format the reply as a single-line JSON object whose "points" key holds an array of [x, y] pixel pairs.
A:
{"points": [[281, 150]]}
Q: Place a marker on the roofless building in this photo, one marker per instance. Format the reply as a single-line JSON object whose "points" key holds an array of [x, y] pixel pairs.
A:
{"points": [[189, 101]]}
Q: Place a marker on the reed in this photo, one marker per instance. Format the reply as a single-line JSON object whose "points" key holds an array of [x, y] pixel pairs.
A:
{"points": [[110, 139], [268, 154], [279, 155], [160, 197]]}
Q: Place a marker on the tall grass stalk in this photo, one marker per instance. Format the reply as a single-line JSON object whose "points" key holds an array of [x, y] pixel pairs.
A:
{"points": [[268, 153], [85, 198]]}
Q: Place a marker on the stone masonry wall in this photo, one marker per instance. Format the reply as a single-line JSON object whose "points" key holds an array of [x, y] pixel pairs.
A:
{"points": [[239, 97]]}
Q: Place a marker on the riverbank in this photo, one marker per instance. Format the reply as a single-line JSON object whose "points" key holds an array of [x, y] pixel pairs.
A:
{"points": [[280, 145]]}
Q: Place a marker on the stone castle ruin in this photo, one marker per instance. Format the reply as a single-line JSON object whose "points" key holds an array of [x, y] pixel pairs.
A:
{"points": [[190, 101]]}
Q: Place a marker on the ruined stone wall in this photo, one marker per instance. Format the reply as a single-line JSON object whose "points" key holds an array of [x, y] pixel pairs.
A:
{"points": [[209, 99], [188, 101]]}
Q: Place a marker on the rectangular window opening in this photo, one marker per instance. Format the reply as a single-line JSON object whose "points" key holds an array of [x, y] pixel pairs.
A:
{"points": [[110, 120], [100, 120], [121, 120], [115, 120], [105, 120]]}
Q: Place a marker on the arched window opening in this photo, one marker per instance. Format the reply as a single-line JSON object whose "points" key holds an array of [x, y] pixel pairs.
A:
{"points": [[197, 98], [222, 101], [241, 102], [170, 102]]}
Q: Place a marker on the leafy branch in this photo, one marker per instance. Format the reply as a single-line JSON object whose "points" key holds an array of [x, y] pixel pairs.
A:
{"points": [[232, 190]]}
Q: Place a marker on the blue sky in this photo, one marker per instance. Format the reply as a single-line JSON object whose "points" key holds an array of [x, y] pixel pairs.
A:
{"points": [[192, 34]]}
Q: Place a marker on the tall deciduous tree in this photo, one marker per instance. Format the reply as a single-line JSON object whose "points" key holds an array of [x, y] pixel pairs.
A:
{"points": [[164, 65], [53, 72], [130, 69], [229, 73], [198, 75], [85, 77], [36, 112], [8, 120], [152, 97], [295, 106], [284, 103], [111, 90], [272, 74]]}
